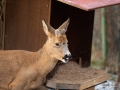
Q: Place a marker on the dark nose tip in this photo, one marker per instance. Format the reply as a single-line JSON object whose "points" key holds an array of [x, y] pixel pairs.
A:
{"points": [[70, 56], [66, 57]]}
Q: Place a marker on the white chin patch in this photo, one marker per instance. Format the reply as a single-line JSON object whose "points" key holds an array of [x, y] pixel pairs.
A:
{"points": [[64, 61]]}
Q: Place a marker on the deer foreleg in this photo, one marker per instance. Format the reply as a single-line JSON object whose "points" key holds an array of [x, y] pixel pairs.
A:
{"points": [[35, 85], [17, 86]]}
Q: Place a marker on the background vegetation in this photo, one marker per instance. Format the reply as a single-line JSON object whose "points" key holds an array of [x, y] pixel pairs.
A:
{"points": [[109, 20]]}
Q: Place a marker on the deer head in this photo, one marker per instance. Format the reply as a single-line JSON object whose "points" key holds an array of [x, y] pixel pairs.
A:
{"points": [[57, 43]]}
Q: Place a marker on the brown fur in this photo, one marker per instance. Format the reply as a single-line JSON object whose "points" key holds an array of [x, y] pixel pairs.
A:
{"points": [[24, 70]]}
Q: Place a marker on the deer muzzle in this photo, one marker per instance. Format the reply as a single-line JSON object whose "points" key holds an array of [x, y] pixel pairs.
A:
{"points": [[66, 58]]}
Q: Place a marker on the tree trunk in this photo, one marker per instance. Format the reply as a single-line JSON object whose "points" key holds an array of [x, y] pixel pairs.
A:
{"points": [[113, 38]]}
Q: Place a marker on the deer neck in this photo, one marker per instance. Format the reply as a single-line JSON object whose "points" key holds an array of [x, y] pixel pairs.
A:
{"points": [[46, 62]]}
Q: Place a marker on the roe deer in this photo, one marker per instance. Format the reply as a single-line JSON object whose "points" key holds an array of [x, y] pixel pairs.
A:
{"points": [[24, 70]]}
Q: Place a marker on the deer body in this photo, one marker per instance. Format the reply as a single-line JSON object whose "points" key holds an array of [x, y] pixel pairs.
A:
{"points": [[24, 70]]}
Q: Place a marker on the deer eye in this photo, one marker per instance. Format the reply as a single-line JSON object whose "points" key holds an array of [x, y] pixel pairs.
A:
{"points": [[57, 44], [63, 43]]}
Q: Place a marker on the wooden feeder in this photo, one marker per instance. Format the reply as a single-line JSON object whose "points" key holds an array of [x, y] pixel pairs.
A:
{"points": [[23, 30]]}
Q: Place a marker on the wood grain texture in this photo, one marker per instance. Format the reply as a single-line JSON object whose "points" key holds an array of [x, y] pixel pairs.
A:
{"points": [[72, 76], [90, 4], [23, 24]]}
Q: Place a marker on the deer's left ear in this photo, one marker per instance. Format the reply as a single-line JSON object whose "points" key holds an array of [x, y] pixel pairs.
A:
{"points": [[63, 27]]}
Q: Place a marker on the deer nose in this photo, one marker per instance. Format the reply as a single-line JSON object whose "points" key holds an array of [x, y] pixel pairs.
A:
{"points": [[67, 57]]}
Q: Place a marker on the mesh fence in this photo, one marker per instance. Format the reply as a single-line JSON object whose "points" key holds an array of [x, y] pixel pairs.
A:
{"points": [[1, 21]]}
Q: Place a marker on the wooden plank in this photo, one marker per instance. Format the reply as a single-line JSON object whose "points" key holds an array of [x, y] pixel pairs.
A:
{"points": [[23, 24], [90, 4], [94, 82], [68, 86], [51, 84], [72, 76], [88, 85]]}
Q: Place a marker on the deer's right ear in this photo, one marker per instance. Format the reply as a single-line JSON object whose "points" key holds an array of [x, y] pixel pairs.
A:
{"points": [[47, 28]]}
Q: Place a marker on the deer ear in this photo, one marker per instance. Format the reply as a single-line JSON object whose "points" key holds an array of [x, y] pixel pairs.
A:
{"points": [[63, 27], [47, 28]]}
